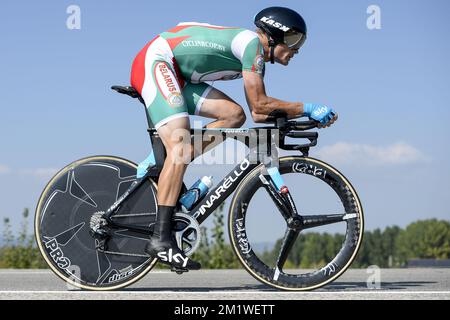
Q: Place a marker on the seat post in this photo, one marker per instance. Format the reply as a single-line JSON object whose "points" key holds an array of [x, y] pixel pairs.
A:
{"points": [[149, 121], [159, 151]]}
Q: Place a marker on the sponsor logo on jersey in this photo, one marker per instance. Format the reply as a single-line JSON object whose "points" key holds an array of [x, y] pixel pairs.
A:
{"points": [[175, 99], [275, 24], [204, 44], [168, 85]]}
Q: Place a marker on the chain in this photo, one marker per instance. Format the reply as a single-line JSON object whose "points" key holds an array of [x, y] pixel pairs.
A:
{"points": [[133, 215], [124, 254]]}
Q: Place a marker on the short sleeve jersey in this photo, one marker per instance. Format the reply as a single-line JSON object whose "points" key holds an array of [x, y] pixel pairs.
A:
{"points": [[205, 52]]}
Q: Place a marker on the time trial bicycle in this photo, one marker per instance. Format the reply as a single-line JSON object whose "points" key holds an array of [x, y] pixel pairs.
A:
{"points": [[94, 218]]}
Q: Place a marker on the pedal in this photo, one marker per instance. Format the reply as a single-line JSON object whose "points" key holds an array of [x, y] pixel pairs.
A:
{"points": [[179, 270]]}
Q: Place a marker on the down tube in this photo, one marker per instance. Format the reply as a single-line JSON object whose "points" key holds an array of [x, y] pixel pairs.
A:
{"points": [[218, 195]]}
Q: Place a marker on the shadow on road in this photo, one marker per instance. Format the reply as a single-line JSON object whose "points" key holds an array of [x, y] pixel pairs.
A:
{"points": [[339, 286], [257, 287], [400, 285]]}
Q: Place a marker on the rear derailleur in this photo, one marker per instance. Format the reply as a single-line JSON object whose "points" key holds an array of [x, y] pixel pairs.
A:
{"points": [[100, 231]]}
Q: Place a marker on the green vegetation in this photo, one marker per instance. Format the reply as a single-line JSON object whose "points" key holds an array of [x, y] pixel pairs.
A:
{"points": [[391, 247], [216, 254], [20, 251]]}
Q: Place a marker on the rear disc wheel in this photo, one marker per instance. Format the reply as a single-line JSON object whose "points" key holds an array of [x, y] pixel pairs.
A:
{"points": [[70, 204]]}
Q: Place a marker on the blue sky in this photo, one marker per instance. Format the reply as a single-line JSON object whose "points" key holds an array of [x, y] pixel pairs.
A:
{"points": [[389, 86]]}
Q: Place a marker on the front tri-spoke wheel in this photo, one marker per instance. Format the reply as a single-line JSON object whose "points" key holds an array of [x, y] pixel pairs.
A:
{"points": [[286, 247], [313, 250]]}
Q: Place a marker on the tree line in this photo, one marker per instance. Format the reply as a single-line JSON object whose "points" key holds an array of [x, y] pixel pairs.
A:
{"points": [[391, 247]]}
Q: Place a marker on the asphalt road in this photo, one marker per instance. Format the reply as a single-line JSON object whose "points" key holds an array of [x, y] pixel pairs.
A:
{"points": [[233, 285]]}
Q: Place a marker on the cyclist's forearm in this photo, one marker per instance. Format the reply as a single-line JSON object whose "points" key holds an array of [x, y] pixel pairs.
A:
{"points": [[268, 104]]}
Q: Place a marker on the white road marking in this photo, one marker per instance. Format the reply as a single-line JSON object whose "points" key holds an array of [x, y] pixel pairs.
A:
{"points": [[129, 291]]}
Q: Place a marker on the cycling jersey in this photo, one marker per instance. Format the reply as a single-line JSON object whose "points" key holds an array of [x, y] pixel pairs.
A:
{"points": [[171, 70]]}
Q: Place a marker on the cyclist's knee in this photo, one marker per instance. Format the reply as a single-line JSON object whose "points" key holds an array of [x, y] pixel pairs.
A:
{"points": [[181, 154], [236, 118]]}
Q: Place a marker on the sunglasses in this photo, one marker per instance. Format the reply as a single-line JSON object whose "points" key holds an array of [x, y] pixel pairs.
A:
{"points": [[294, 40]]}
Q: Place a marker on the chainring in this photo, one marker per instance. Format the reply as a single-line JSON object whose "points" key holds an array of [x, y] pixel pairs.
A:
{"points": [[187, 232]]}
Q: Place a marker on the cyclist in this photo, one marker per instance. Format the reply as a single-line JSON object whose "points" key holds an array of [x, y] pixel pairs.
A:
{"points": [[170, 73]]}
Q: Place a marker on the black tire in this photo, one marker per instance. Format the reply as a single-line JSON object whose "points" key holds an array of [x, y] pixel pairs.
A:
{"points": [[299, 280], [63, 215]]}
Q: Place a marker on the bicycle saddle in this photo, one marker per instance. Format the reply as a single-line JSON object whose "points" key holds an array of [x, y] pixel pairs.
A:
{"points": [[128, 90]]}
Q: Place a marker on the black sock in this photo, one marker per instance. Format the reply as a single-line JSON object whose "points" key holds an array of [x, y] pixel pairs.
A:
{"points": [[163, 224]]}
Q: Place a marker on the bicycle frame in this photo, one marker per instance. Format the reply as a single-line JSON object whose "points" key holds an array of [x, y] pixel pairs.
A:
{"points": [[265, 153], [119, 237]]}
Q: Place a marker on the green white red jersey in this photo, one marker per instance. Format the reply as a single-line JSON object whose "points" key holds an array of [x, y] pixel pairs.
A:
{"points": [[192, 53]]}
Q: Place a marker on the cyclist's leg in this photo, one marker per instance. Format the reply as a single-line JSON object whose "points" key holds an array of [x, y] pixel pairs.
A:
{"points": [[168, 111], [206, 101], [175, 136]]}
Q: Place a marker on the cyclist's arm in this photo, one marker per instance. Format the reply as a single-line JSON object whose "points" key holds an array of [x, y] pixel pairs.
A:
{"points": [[260, 104]]}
